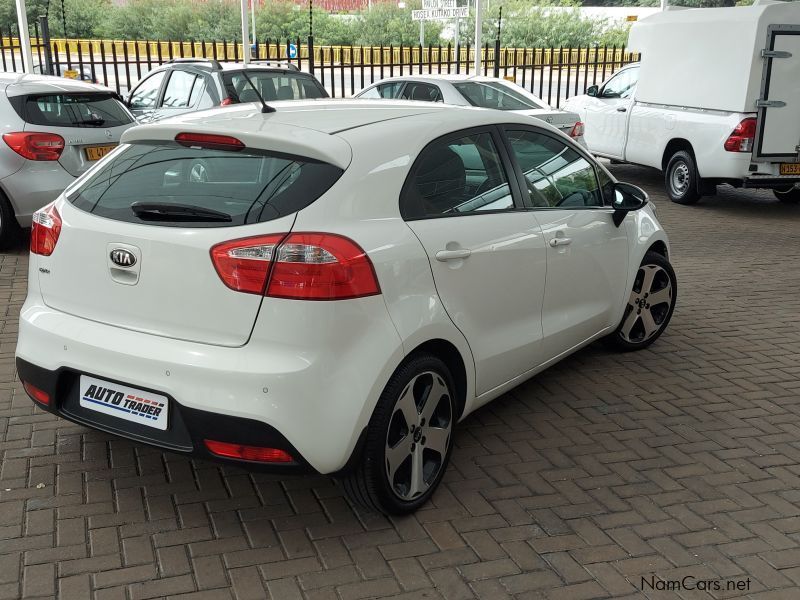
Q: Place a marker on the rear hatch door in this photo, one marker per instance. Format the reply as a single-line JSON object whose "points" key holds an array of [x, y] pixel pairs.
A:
{"points": [[778, 127], [134, 249]]}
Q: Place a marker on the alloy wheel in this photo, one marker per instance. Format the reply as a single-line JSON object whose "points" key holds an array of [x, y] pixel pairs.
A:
{"points": [[649, 304], [418, 436]]}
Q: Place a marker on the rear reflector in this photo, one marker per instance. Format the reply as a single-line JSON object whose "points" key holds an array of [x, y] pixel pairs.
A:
{"points": [[227, 102], [742, 138], [300, 266], [45, 229], [35, 146], [252, 453], [36, 394], [209, 141]]}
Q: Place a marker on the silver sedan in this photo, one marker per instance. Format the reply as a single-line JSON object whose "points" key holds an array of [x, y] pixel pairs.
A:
{"points": [[479, 91]]}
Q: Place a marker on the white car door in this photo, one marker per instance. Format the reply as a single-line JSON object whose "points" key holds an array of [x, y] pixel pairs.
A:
{"points": [[606, 126], [486, 253], [587, 255]]}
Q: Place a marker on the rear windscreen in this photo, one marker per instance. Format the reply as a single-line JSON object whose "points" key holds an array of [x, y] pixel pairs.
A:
{"points": [[72, 110], [272, 85], [172, 185]]}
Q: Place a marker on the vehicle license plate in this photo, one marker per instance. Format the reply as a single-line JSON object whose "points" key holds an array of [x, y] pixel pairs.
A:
{"points": [[790, 168], [130, 404], [98, 152]]}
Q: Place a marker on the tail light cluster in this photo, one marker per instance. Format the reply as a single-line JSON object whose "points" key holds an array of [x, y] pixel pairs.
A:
{"points": [[743, 137], [577, 130], [300, 266], [45, 229], [35, 146]]}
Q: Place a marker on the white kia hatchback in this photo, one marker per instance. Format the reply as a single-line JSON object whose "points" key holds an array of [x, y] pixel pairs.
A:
{"points": [[331, 286]]}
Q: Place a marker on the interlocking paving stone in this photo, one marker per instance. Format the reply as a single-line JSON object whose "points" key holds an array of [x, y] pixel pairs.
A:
{"points": [[607, 468]]}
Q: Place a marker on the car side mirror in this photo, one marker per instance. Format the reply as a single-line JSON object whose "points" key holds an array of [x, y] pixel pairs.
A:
{"points": [[627, 198], [592, 91]]}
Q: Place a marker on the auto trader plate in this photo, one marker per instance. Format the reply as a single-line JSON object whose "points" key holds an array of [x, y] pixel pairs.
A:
{"points": [[130, 404], [97, 152], [790, 168]]}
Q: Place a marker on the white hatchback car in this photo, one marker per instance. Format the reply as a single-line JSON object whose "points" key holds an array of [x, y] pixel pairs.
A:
{"points": [[346, 282]]}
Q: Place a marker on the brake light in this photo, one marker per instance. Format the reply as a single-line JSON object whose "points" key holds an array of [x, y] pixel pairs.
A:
{"points": [[300, 266], [209, 141], [743, 137], [35, 146], [45, 229], [253, 453], [227, 102], [577, 130], [321, 266], [243, 265], [35, 393]]}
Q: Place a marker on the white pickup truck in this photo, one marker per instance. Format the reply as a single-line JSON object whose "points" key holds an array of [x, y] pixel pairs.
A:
{"points": [[715, 100]]}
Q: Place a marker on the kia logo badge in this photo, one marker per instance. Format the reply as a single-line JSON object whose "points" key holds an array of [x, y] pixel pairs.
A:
{"points": [[122, 258]]}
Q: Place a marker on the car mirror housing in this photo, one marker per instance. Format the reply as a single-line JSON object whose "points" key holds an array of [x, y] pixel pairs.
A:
{"points": [[592, 91], [627, 198]]}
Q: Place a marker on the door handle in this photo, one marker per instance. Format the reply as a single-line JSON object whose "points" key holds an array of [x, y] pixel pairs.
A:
{"points": [[445, 255], [560, 241], [622, 109]]}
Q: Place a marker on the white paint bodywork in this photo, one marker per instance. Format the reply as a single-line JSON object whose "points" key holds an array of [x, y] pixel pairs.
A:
{"points": [[314, 370]]}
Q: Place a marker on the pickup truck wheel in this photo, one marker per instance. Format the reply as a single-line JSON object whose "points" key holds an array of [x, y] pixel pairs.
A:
{"points": [[682, 179], [650, 305], [790, 196]]}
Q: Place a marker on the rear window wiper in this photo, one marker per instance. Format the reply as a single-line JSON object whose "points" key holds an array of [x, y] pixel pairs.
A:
{"points": [[178, 212]]}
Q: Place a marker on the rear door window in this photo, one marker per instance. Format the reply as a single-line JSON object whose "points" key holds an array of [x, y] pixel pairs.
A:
{"points": [[180, 89], [72, 110], [146, 94], [158, 183], [423, 92]]}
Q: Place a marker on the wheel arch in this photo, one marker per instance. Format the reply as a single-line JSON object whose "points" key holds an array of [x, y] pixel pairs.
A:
{"points": [[659, 247], [450, 355], [673, 146]]}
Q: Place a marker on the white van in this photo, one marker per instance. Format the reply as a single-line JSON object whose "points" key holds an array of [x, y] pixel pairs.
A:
{"points": [[714, 100]]}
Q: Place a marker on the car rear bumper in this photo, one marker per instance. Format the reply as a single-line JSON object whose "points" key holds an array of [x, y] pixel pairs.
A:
{"points": [[311, 398], [33, 186]]}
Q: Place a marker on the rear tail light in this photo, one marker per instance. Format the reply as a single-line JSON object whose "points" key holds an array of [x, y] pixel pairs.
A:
{"points": [[252, 453], [577, 130], [35, 146], [300, 266], [36, 394], [45, 229], [209, 141], [227, 102], [742, 138]]}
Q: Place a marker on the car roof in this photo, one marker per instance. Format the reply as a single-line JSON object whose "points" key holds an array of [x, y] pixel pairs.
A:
{"points": [[215, 66], [452, 78], [317, 128], [20, 83]]}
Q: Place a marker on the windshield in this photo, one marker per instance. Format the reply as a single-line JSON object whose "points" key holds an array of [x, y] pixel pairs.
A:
{"points": [[72, 110], [272, 85], [485, 94], [177, 186]]}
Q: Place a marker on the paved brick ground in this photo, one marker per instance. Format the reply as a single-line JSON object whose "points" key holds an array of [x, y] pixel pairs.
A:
{"points": [[681, 460]]}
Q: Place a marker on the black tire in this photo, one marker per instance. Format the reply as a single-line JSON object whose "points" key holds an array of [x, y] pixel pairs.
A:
{"points": [[682, 179], [367, 484], [790, 196], [9, 227], [633, 332]]}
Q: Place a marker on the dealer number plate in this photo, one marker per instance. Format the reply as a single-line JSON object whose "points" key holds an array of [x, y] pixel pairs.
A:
{"points": [[127, 403], [790, 168], [98, 152]]}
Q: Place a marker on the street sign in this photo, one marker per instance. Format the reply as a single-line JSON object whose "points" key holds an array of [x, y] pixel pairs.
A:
{"points": [[291, 51], [434, 10]]}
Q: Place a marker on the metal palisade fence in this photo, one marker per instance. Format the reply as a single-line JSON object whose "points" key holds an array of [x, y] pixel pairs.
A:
{"points": [[553, 74]]}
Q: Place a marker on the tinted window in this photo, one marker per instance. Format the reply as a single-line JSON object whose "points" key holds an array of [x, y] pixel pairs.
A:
{"points": [[495, 95], [249, 187], [422, 92], [146, 95], [556, 175], [455, 177], [622, 85], [272, 85], [179, 90], [72, 110], [390, 90]]}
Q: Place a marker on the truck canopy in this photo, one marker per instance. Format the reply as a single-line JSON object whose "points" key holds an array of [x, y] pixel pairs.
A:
{"points": [[707, 57]]}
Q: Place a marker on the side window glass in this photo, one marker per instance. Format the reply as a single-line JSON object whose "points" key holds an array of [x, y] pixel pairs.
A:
{"points": [[179, 90], [456, 177], [146, 95], [371, 93], [622, 85], [200, 97], [606, 185], [389, 90], [556, 175], [423, 92]]}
